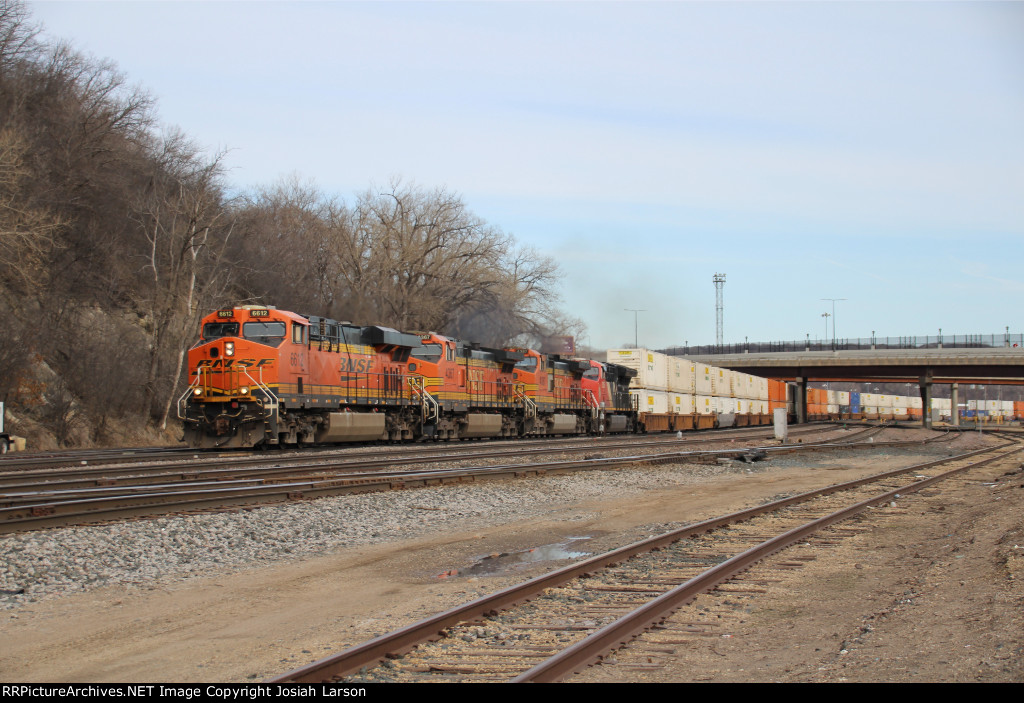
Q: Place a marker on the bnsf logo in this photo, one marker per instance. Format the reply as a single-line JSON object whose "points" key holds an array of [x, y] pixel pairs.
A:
{"points": [[234, 363], [356, 365]]}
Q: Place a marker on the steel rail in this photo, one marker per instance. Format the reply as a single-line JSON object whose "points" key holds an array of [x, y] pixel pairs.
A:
{"points": [[31, 513], [609, 638], [297, 471], [333, 458], [402, 640]]}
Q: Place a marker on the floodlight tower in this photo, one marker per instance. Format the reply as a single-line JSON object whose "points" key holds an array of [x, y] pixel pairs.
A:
{"points": [[719, 280]]}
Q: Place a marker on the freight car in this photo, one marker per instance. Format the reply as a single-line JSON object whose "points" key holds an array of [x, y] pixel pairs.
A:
{"points": [[259, 376]]}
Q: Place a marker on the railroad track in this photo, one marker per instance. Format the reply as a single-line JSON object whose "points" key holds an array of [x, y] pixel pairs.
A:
{"points": [[559, 623], [73, 500], [136, 462], [205, 469]]}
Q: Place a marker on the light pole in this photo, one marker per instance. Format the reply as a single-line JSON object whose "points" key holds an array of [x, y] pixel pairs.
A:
{"points": [[636, 326], [834, 300], [825, 315]]}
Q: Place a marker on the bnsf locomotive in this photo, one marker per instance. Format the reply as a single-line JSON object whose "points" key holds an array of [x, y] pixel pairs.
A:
{"points": [[265, 377]]}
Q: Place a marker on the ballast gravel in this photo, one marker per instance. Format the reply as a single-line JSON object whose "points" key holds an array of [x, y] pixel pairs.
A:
{"points": [[142, 553]]}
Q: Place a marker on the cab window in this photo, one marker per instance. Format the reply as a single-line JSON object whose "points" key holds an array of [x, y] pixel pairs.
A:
{"points": [[528, 364], [216, 330], [427, 352], [299, 334], [270, 333]]}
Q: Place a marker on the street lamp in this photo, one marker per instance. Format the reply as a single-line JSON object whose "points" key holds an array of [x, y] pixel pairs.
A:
{"points": [[834, 300], [825, 315]]}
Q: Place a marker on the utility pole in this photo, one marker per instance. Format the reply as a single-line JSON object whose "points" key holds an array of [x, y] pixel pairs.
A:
{"points": [[719, 280], [636, 326]]}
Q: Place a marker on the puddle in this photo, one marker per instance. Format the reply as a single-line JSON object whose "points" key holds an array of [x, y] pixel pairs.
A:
{"points": [[492, 564]]}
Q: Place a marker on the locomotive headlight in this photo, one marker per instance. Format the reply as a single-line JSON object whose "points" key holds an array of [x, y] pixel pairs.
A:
{"points": [[197, 392], [229, 348], [243, 390]]}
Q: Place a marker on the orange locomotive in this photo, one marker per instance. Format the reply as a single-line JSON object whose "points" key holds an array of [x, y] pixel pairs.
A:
{"points": [[265, 377]]}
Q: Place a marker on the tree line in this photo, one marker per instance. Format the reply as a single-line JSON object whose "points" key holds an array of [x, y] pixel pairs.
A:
{"points": [[117, 236]]}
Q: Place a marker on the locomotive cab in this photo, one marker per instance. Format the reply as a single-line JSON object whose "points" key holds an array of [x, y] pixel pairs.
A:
{"points": [[233, 376]]}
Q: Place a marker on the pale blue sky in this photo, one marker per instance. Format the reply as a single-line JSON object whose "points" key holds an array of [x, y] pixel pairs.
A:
{"points": [[868, 151]]}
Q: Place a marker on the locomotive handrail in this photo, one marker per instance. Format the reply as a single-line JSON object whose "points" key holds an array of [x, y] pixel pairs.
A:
{"points": [[431, 408], [188, 392], [274, 402], [529, 405], [588, 397]]}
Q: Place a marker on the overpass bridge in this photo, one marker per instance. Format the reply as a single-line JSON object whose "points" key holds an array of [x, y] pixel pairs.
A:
{"points": [[924, 366]]}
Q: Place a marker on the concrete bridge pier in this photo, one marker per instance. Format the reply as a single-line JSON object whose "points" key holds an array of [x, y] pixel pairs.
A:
{"points": [[925, 384], [801, 399], [954, 400]]}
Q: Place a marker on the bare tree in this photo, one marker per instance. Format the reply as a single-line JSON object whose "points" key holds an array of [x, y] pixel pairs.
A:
{"points": [[287, 245], [28, 235], [419, 257], [187, 227]]}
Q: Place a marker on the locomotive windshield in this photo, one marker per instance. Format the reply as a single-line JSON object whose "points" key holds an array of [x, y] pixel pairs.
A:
{"points": [[427, 352], [528, 364], [216, 330], [270, 333]]}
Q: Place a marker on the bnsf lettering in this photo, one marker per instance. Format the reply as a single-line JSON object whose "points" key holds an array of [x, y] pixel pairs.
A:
{"points": [[234, 363], [356, 365]]}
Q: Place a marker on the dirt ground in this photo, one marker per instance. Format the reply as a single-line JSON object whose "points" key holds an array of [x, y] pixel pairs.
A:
{"points": [[935, 594]]}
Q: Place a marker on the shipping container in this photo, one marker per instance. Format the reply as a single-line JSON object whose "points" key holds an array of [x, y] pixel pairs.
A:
{"points": [[721, 380], [651, 367], [681, 403], [704, 405], [651, 401], [680, 375], [703, 383]]}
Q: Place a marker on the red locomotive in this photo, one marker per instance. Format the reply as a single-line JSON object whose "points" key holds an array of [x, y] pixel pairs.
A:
{"points": [[265, 377]]}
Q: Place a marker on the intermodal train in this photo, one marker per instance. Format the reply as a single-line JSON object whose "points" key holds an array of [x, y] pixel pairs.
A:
{"points": [[262, 377]]}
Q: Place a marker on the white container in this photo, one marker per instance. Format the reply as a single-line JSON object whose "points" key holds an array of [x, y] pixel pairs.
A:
{"points": [[651, 367], [651, 401], [844, 397], [680, 375], [721, 382], [915, 403], [681, 403], [761, 385], [832, 408], [742, 385], [702, 379], [704, 405]]}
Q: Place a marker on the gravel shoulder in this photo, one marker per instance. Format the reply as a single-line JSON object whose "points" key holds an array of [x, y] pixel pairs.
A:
{"points": [[248, 595]]}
